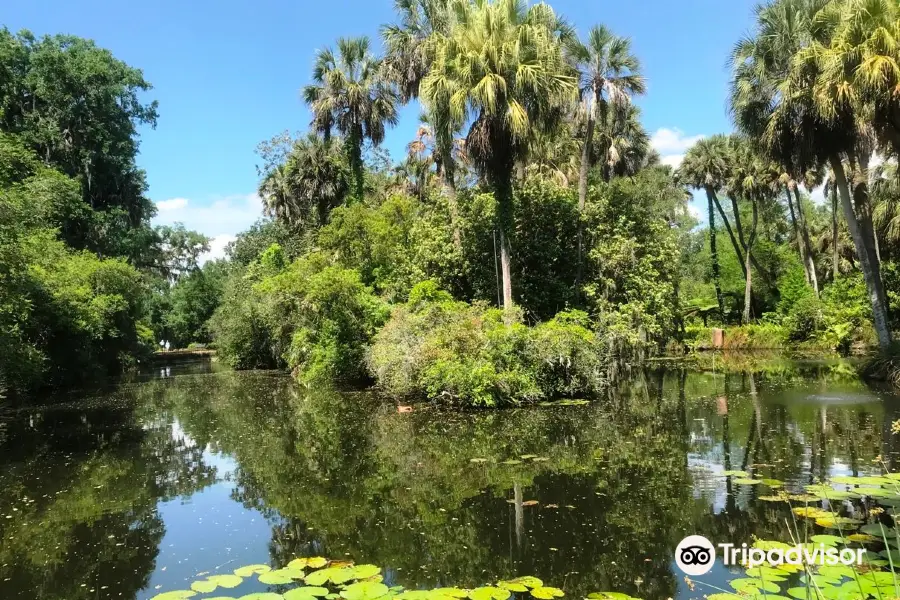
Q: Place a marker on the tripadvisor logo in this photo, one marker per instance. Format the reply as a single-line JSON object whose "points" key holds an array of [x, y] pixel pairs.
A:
{"points": [[695, 555]]}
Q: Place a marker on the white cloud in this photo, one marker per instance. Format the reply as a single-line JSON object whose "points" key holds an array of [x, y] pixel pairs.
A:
{"points": [[673, 160], [672, 144], [672, 141], [217, 247], [219, 219], [172, 204]]}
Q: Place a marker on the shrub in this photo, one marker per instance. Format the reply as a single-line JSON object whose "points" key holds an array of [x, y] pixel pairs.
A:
{"points": [[438, 348], [805, 319]]}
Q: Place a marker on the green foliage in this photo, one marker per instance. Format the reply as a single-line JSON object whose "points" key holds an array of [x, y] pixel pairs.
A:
{"points": [[313, 317], [438, 348]]}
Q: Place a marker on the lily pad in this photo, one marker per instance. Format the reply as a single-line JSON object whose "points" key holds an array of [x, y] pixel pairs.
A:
{"points": [[262, 596], [174, 595], [364, 590], [316, 562], [827, 540], [512, 461], [512, 586], [203, 587], [621, 596], [773, 483], [812, 512], [281, 576], [725, 596], [451, 592], [489, 593], [767, 573], [735, 473], [477, 461], [529, 581], [862, 538], [804, 593], [836, 522], [225, 581], [306, 593], [252, 570], [750, 585], [747, 481], [547, 593]]}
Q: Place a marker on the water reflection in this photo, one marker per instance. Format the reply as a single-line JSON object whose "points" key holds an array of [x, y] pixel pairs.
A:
{"points": [[137, 491]]}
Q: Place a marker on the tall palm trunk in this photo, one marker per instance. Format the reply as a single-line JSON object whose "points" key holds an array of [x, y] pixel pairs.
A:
{"points": [[734, 242], [804, 232], [354, 153], [714, 253], [583, 182], [866, 258], [448, 187], [504, 192], [800, 245], [835, 255], [750, 241]]}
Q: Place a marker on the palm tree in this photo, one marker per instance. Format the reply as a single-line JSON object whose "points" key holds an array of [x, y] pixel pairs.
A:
{"points": [[788, 95], [311, 181], [349, 94], [753, 179], [621, 142], [502, 68], [609, 73], [705, 167]]}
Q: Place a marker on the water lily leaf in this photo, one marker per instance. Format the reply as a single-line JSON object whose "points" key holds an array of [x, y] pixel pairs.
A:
{"points": [[805, 593], [746, 481], [540, 459], [451, 592], [530, 581], [772, 499], [725, 596], [512, 586], [735, 473], [789, 568], [414, 595], [262, 596], [489, 593], [836, 522], [337, 575], [771, 545], [773, 483], [252, 570], [316, 562], [750, 585], [280, 576], [821, 580], [477, 461], [298, 563], [862, 538], [306, 593], [621, 596], [766, 572], [547, 593], [174, 595], [528, 456], [812, 512], [829, 493], [877, 530], [827, 540], [530, 503], [203, 587], [364, 590], [225, 581], [365, 571], [893, 555], [836, 571], [512, 461]]}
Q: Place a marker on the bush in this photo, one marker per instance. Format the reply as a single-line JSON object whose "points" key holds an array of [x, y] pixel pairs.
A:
{"points": [[438, 348], [315, 318], [805, 319]]}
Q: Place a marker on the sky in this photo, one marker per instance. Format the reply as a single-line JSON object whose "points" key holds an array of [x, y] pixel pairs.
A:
{"points": [[227, 74]]}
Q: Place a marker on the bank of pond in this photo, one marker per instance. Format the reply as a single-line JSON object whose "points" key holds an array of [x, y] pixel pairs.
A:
{"points": [[196, 481]]}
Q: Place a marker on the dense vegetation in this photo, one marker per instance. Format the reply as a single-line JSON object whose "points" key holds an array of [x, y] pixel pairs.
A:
{"points": [[529, 234]]}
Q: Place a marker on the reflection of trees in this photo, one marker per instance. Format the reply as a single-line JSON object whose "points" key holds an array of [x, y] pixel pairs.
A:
{"points": [[81, 486], [338, 473]]}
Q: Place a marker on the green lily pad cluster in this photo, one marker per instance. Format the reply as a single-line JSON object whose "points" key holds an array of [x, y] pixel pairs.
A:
{"points": [[321, 579]]}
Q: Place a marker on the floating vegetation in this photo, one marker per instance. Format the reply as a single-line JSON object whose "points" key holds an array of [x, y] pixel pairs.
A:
{"points": [[565, 403], [735, 474]]}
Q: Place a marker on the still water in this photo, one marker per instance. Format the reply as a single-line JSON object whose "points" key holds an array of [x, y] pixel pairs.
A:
{"points": [[193, 470]]}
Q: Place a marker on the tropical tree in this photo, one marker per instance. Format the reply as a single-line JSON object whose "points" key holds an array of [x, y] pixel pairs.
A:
{"points": [[788, 93], [609, 73], [501, 68], [349, 94], [705, 167], [312, 180]]}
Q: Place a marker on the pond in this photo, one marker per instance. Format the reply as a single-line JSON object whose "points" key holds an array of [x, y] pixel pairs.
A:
{"points": [[193, 471]]}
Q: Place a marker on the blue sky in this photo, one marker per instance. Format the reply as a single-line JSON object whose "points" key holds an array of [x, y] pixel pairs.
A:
{"points": [[227, 74]]}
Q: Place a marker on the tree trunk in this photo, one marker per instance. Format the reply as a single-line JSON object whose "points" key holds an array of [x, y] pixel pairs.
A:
{"points": [[449, 190], [734, 243], [800, 245], [804, 232], [835, 255], [582, 187], [504, 192], [866, 259], [750, 241], [714, 253]]}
